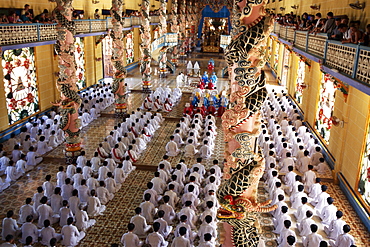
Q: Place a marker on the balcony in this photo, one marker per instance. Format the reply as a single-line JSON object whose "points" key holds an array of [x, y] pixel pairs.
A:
{"points": [[12, 34], [350, 60]]}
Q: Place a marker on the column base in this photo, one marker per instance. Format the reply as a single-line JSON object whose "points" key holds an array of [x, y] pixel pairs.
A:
{"points": [[71, 152]]}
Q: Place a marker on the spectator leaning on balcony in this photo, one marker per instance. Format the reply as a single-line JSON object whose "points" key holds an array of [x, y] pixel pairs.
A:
{"points": [[356, 35], [367, 35], [26, 18], [41, 17], [25, 10], [335, 33], [345, 35], [318, 18], [3, 19], [329, 24]]}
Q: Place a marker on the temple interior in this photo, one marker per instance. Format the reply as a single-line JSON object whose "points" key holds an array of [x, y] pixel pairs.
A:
{"points": [[74, 72]]}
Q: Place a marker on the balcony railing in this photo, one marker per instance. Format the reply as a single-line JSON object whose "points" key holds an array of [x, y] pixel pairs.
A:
{"points": [[168, 39], [11, 34], [349, 59]]}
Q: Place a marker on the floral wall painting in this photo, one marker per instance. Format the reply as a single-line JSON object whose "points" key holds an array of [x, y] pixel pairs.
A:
{"points": [[325, 108], [80, 62], [300, 84], [20, 83], [129, 47], [364, 180], [107, 55]]}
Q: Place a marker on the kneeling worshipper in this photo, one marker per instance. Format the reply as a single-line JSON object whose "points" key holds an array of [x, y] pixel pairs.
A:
{"points": [[172, 148]]}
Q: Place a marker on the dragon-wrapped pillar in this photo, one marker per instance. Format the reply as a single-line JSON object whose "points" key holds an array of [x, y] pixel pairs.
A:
{"points": [[182, 27], [174, 29], [70, 101], [146, 57], [241, 123], [162, 31], [118, 86]]}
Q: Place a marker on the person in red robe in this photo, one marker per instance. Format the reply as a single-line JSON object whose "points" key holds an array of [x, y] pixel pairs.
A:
{"points": [[211, 109], [188, 109]]}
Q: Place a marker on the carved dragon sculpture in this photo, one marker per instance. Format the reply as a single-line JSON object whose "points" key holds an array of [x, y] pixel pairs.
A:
{"points": [[174, 28], [241, 124], [145, 46], [118, 86], [66, 83]]}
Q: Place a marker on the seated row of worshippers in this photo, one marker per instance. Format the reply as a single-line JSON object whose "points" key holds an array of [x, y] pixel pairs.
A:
{"points": [[128, 139], [192, 133], [36, 138], [80, 186], [162, 99], [94, 100], [183, 194], [300, 191]]}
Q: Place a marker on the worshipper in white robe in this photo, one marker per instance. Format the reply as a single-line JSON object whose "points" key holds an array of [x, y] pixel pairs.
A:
{"points": [[286, 162], [53, 140], [47, 233], [148, 209], [11, 173], [172, 148], [315, 157], [280, 203], [322, 167], [295, 198], [181, 241], [132, 154], [205, 151], [117, 154], [130, 239], [336, 226], [169, 213], [189, 233], [304, 226], [67, 189], [29, 229], [344, 239], [16, 153], [65, 213], [70, 234], [321, 199], [158, 184], [26, 210], [45, 212], [127, 165], [94, 207], [56, 200], [313, 239], [101, 151], [282, 239], [279, 220], [190, 150], [42, 146], [32, 158], [82, 219], [177, 138], [9, 226], [103, 194], [207, 228], [119, 174], [48, 187], [141, 227], [309, 177], [111, 184], [81, 160], [61, 177], [315, 189], [155, 239], [327, 214], [190, 213]]}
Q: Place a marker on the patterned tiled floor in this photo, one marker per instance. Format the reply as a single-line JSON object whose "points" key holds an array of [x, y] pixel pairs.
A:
{"points": [[110, 227]]}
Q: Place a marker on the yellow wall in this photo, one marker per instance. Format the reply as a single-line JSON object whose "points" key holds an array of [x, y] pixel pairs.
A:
{"points": [[137, 41], [3, 110], [337, 7], [45, 59]]}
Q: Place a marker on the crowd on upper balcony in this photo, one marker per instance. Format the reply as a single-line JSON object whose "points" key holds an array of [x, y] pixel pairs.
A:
{"points": [[25, 15], [335, 27]]}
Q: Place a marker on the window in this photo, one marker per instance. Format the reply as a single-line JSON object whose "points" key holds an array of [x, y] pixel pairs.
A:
{"points": [[364, 181], [80, 62], [285, 68], [325, 106], [107, 56], [129, 48], [300, 85], [20, 83]]}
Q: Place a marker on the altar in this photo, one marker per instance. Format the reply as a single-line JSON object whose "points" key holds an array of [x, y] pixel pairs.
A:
{"points": [[212, 30]]}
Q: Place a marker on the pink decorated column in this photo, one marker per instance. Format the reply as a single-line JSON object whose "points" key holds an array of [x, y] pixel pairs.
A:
{"points": [[70, 101], [118, 86], [145, 46], [174, 28]]}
